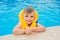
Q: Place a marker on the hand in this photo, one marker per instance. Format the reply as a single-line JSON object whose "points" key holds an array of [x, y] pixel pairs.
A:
{"points": [[28, 30], [33, 29]]}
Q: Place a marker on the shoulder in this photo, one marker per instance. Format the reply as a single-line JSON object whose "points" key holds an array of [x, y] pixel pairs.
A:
{"points": [[19, 25], [39, 25]]}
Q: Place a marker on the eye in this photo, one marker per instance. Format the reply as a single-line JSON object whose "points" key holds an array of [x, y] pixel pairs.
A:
{"points": [[31, 16], [26, 16]]}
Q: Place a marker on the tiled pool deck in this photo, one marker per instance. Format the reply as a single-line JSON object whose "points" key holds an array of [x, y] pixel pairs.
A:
{"points": [[52, 33]]}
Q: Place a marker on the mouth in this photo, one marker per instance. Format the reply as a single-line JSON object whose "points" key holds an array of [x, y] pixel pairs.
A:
{"points": [[28, 21]]}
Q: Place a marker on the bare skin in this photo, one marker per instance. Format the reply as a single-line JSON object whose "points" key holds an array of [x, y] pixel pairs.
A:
{"points": [[18, 31], [29, 18]]}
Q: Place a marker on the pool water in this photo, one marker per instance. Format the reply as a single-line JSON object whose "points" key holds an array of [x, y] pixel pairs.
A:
{"points": [[48, 10]]}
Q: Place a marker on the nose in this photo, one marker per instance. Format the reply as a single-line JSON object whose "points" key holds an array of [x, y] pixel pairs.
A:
{"points": [[29, 18]]}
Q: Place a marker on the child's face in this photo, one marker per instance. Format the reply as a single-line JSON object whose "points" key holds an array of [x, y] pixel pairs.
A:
{"points": [[29, 17]]}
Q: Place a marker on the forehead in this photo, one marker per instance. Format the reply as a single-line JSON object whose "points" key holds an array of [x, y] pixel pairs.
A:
{"points": [[32, 13]]}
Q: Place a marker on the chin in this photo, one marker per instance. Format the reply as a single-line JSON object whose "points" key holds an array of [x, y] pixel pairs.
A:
{"points": [[29, 23]]}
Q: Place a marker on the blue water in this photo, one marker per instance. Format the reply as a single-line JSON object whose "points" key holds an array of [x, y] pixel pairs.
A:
{"points": [[48, 10]]}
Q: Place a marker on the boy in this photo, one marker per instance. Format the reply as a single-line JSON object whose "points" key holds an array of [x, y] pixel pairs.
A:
{"points": [[28, 17]]}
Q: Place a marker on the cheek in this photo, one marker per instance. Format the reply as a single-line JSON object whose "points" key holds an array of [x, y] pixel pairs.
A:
{"points": [[32, 19], [25, 18]]}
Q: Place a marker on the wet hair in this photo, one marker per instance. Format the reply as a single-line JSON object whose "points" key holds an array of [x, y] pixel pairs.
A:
{"points": [[29, 9]]}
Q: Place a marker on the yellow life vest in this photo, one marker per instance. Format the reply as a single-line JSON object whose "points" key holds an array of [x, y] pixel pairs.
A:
{"points": [[24, 24]]}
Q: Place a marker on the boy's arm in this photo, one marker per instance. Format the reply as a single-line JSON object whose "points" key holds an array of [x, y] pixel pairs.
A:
{"points": [[17, 29], [39, 28], [18, 26]]}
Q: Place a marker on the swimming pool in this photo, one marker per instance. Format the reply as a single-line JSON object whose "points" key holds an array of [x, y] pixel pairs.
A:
{"points": [[48, 10]]}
